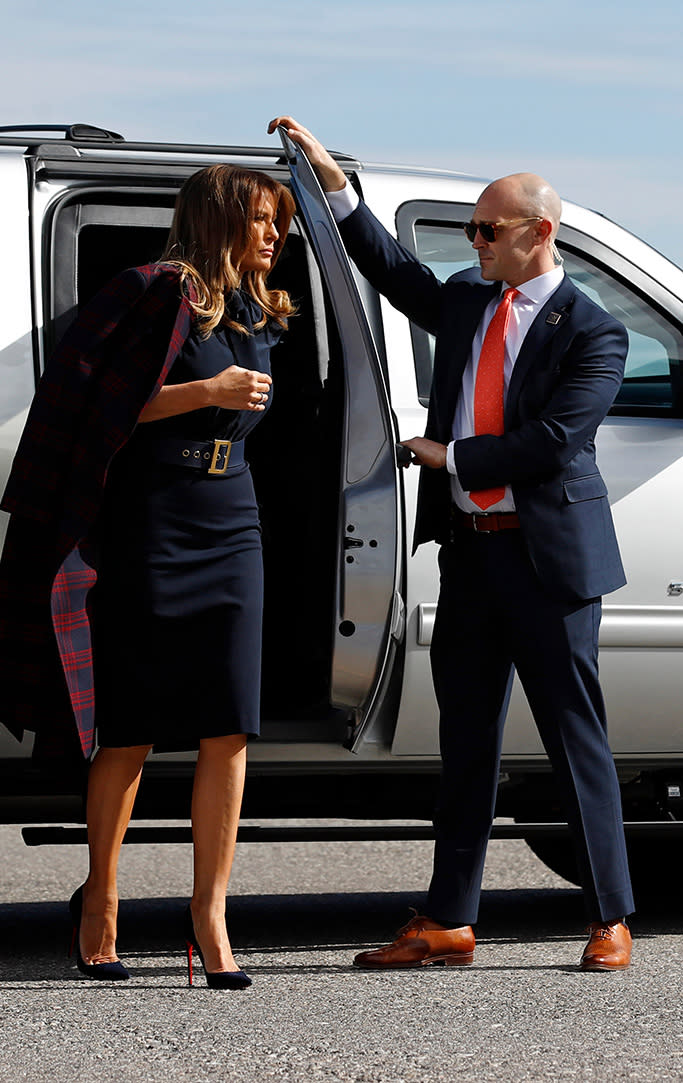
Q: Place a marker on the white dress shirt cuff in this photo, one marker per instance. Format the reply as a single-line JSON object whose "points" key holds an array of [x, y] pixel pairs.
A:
{"points": [[342, 203], [450, 458]]}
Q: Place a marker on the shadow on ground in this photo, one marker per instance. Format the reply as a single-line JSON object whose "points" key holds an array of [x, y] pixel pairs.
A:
{"points": [[300, 923]]}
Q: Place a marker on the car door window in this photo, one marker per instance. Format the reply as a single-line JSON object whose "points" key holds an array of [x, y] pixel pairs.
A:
{"points": [[651, 383], [655, 345]]}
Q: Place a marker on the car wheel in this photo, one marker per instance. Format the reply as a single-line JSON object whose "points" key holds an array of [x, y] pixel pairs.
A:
{"points": [[656, 864]]}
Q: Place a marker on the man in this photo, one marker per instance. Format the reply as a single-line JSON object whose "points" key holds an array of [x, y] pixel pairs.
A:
{"points": [[525, 369]]}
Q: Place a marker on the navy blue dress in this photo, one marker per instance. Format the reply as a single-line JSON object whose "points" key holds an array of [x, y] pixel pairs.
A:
{"points": [[177, 610]]}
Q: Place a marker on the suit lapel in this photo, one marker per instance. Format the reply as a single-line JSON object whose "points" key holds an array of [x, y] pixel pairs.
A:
{"points": [[538, 339], [456, 344]]}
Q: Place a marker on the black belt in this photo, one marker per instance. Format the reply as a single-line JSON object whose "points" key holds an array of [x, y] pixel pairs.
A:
{"points": [[214, 457]]}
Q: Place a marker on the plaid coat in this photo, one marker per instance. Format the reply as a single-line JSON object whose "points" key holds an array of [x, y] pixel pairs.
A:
{"points": [[111, 362]]}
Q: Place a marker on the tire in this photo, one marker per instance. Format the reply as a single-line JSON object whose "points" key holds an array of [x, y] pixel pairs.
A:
{"points": [[656, 864], [558, 855]]}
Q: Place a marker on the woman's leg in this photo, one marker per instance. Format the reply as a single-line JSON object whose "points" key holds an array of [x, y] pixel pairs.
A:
{"points": [[112, 785], [216, 804]]}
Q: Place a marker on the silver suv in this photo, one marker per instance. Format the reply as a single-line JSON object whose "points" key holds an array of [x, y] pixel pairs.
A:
{"points": [[349, 717]]}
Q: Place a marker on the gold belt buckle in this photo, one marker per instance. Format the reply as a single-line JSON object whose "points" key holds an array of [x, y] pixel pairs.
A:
{"points": [[218, 446]]}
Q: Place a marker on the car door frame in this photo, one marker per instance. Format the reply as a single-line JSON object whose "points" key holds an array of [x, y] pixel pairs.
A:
{"points": [[369, 620]]}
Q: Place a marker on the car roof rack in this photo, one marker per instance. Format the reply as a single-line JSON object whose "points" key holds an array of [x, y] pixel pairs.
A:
{"points": [[75, 133], [90, 137]]}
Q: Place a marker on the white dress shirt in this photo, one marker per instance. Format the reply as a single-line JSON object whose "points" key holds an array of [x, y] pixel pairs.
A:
{"points": [[525, 307], [342, 203]]}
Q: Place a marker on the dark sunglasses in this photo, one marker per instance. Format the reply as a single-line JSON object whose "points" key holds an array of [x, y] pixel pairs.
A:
{"points": [[490, 230]]}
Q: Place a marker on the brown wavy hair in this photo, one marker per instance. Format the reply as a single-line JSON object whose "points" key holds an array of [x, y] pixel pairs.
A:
{"points": [[209, 236]]}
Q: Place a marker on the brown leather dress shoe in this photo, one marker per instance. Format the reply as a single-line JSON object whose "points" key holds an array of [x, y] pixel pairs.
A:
{"points": [[422, 942], [609, 946]]}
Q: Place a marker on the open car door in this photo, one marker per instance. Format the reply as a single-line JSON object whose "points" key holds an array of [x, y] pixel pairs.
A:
{"points": [[369, 609]]}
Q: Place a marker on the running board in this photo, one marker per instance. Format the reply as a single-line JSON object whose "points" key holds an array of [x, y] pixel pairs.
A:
{"points": [[71, 836]]}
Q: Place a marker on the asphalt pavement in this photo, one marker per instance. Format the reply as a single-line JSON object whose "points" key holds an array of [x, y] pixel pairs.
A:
{"points": [[298, 912]]}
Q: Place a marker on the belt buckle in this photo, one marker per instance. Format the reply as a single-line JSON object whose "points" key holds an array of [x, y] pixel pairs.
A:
{"points": [[218, 446], [482, 529]]}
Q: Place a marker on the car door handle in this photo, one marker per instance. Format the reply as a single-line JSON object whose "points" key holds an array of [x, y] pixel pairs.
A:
{"points": [[404, 455], [674, 589]]}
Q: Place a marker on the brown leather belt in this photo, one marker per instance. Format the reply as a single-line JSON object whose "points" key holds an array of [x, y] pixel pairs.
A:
{"points": [[491, 522]]}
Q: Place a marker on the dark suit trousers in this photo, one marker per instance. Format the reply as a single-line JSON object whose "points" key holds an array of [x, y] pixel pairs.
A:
{"points": [[493, 614]]}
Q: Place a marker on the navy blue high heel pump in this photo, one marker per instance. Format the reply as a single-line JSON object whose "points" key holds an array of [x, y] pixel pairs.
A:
{"points": [[223, 979], [102, 971]]}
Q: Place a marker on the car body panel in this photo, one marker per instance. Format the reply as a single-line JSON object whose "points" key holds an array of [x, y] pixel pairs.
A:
{"points": [[385, 597], [641, 458]]}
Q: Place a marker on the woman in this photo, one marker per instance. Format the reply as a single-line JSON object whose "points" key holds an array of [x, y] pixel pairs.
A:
{"points": [[162, 565]]}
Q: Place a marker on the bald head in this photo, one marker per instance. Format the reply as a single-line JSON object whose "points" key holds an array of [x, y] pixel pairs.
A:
{"points": [[527, 196], [528, 212]]}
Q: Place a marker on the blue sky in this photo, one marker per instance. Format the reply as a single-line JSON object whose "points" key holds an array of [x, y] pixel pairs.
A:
{"points": [[588, 94]]}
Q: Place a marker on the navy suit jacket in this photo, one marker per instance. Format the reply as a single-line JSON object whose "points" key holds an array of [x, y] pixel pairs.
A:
{"points": [[563, 383]]}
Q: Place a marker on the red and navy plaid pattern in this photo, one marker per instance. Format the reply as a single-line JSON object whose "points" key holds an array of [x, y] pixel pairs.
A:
{"points": [[110, 363]]}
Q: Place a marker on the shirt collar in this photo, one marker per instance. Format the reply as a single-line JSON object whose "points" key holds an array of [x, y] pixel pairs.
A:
{"points": [[538, 290]]}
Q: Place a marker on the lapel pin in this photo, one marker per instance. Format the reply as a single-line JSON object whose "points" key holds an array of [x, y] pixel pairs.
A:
{"points": [[553, 318]]}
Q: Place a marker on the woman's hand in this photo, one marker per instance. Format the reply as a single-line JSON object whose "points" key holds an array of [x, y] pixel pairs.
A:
{"points": [[236, 388], [329, 174]]}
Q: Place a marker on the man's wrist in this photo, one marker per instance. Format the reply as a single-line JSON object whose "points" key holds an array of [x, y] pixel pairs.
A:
{"points": [[343, 202]]}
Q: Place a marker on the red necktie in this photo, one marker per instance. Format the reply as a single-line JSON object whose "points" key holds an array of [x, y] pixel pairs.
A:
{"points": [[488, 388]]}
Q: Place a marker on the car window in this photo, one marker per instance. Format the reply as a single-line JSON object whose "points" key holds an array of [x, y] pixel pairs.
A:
{"points": [[655, 343]]}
